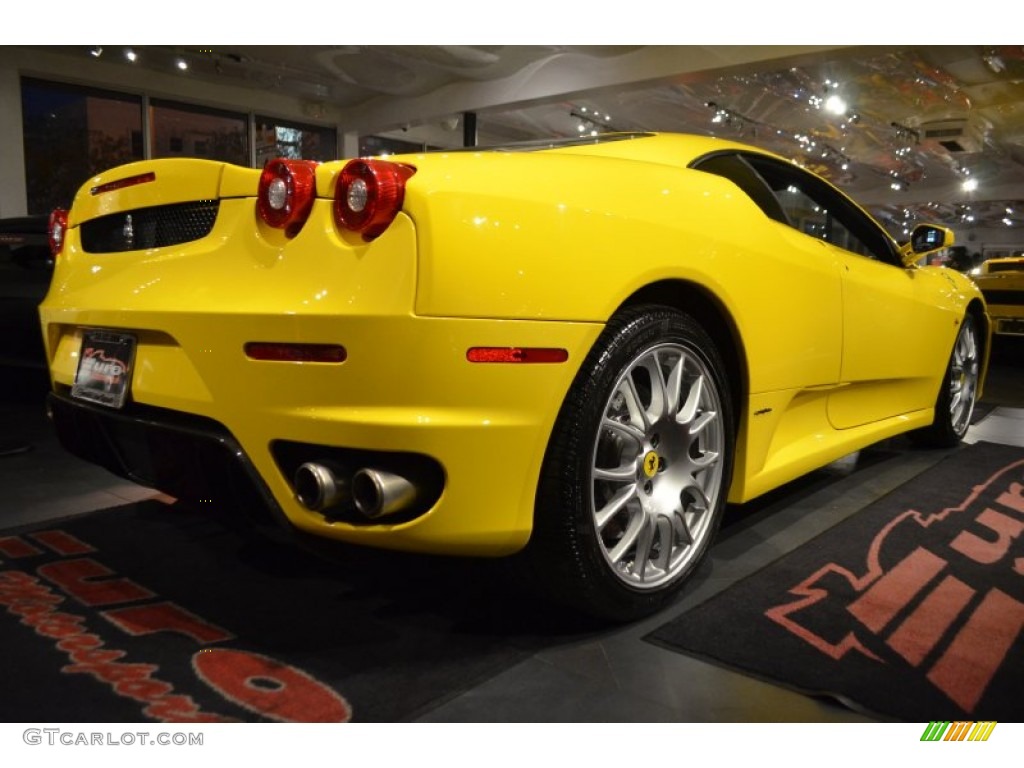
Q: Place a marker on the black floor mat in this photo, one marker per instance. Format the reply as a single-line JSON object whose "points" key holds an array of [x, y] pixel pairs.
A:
{"points": [[156, 612], [913, 609]]}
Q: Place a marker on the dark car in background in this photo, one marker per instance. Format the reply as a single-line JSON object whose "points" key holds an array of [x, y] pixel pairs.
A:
{"points": [[26, 266]]}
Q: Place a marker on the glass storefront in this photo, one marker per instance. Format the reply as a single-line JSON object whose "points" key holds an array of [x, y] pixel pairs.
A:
{"points": [[72, 133]]}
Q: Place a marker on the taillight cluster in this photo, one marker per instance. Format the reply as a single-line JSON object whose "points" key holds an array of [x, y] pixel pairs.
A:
{"points": [[286, 193], [367, 196], [56, 229]]}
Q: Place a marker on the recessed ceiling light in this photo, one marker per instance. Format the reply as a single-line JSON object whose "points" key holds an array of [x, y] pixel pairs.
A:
{"points": [[836, 105]]}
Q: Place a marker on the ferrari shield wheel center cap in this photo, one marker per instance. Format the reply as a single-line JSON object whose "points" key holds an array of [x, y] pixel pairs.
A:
{"points": [[651, 462]]}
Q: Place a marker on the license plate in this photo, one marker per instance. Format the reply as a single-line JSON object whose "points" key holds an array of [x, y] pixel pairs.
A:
{"points": [[104, 368]]}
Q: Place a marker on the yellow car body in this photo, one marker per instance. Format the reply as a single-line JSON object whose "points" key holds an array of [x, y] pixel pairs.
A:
{"points": [[825, 350], [1002, 283]]}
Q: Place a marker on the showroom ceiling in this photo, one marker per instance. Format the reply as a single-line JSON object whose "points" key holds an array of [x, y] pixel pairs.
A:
{"points": [[901, 127]]}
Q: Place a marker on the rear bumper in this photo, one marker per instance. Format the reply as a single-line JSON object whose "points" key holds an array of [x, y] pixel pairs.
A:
{"points": [[1007, 319], [206, 424], [185, 456]]}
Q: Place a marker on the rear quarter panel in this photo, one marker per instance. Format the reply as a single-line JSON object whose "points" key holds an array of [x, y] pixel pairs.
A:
{"points": [[566, 237]]}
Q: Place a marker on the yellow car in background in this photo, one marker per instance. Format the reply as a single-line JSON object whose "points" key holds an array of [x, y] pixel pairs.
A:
{"points": [[575, 351], [1002, 283]]}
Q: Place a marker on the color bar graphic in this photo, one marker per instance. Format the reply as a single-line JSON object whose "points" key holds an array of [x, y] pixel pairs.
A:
{"points": [[944, 730]]}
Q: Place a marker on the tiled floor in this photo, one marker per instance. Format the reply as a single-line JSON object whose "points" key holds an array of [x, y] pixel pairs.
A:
{"points": [[610, 676]]}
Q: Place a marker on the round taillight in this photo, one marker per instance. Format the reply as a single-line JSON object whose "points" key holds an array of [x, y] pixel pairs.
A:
{"points": [[56, 230], [286, 193], [369, 195]]}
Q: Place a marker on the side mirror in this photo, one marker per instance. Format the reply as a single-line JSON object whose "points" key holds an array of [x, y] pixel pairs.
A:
{"points": [[925, 239]]}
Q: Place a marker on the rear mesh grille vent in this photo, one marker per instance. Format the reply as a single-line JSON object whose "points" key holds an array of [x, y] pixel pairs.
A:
{"points": [[155, 227]]}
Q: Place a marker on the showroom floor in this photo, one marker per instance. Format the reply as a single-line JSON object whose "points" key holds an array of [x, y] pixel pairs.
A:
{"points": [[609, 675]]}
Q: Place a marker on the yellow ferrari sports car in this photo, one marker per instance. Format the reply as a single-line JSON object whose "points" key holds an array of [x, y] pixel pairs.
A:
{"points": [[1001, 282], [574, 352]]}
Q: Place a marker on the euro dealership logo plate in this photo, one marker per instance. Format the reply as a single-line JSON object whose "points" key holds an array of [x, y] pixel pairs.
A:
{"points": [[104, 368]]}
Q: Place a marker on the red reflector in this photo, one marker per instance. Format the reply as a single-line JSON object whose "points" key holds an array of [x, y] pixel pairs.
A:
{"points": [[131, 181], [516, 355], [295, 353]]}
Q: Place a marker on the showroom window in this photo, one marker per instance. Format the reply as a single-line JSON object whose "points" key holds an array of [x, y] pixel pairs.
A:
{"points": [[185, 130], [72, 133], [276, 138]]}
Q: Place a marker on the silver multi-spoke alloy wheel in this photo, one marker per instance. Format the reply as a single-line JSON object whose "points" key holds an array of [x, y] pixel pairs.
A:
{"points": [[963, 377], [657, 466], [959, 390], [638, 466]]}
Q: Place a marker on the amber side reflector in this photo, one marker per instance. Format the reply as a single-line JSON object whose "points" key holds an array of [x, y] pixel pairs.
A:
{"points": [[295, 353], [131, 181], [516, 355]]}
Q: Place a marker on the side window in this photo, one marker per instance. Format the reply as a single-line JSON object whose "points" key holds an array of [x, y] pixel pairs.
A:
{"points": [[792, 196], [805, 213], [815, 219], [817, 209]]}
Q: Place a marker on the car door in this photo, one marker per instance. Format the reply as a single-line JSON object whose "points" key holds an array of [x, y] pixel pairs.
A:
{"points": [[896, 341], [890, 319], [796, 343]]}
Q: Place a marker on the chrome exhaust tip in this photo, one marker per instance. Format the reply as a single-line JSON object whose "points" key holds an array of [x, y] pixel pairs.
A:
{"points": [[318, 487], [377, 493]]}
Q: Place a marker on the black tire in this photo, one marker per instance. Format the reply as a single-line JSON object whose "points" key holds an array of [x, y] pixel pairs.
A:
{"points": [[619, 453], [958, 393]]}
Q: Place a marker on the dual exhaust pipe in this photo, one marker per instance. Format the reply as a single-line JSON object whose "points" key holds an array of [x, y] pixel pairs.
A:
{"points": [[374, 492]]}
